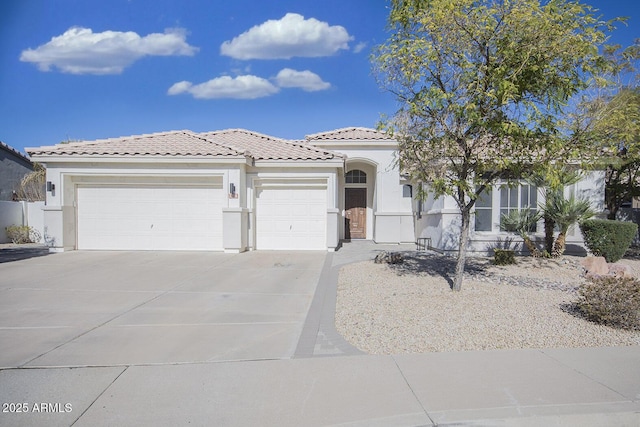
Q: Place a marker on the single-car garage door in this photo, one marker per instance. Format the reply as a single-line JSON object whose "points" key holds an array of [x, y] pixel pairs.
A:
{"points": [[150, 217], [291, 218]]}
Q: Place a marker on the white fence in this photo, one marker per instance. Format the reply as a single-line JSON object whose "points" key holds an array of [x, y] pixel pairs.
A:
{"points": [[21, 213]]}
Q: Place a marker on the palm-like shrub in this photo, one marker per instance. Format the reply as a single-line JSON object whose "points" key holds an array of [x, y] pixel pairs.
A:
{"points": [[552, 182], [557, 209], [521, 222], [565, 213]]}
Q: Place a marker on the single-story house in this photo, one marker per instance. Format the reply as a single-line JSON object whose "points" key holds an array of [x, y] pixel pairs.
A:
{"points": [[237, 190]]}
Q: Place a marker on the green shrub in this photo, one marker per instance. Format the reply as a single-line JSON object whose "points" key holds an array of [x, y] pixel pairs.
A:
{"points": [[19, 234], [611, 301], [503, 257], [608, 238]]}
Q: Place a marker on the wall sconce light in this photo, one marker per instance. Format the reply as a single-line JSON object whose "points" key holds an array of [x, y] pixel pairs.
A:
{"points": [[50, 186], [232, 191]]}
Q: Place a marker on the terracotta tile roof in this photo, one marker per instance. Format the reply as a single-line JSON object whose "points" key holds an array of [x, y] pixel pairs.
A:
{"points": [[173, 143], [264, 147], [350, 134]]}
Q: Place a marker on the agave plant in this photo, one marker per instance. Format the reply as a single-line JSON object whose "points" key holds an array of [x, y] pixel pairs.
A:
{"points": [[521, 222]]}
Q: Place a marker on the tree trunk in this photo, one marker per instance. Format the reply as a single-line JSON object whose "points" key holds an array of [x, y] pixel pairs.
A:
{"points": [[533, 250], [462, 250], [559, 246], [549, 225]]}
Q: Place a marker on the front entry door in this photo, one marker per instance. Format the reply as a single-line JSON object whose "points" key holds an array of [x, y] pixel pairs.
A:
{"points": [[355, 201]]}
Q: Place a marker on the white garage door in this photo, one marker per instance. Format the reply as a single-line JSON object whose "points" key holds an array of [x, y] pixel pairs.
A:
{"points": [[291, 218], [150, 217]]}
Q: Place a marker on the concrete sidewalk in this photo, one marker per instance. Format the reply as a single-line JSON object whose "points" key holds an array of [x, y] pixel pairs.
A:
{"points": [[328, 382], [585, 387]]}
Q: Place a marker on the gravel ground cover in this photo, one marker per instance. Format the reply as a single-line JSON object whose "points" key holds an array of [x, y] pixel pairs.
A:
{"points": [[410, 308]]}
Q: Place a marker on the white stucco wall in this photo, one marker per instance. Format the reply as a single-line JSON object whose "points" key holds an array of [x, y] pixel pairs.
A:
{"points": [[11, 213], [389, 213], [21, 213]]}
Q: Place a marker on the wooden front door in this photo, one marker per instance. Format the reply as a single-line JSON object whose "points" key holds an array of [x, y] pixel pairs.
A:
{"points": [[355, 204]]}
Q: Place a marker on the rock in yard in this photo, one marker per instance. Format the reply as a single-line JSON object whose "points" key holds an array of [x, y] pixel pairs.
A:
{"points": [[595, 266], [619, 270], [385, 257]]}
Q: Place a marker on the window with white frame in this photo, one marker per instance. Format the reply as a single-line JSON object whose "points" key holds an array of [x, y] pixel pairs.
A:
{"points": [[483, 205], [520, 197], [492, 203]]}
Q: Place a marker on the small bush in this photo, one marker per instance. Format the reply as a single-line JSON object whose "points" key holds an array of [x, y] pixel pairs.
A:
{"points": [[608, 238], [385, 257], [504, 257], [611, 301], [19, 234]]}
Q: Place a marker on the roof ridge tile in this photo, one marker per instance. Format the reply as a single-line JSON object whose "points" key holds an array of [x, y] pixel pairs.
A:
{"points": [[267, 147], [355, 131]]}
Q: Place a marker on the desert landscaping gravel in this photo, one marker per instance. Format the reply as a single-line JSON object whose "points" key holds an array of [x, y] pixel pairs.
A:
{"points": [[410, 308]]}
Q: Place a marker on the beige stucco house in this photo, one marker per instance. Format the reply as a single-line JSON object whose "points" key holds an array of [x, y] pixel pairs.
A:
{"points": [[237, 190]]}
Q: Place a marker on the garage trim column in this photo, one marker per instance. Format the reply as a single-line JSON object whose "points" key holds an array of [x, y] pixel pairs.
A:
{"points": [[333, 221], [235, 229]]}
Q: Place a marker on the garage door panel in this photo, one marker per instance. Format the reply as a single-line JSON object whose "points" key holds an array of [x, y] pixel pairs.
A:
{"points": [[130, 217], [304, 210], [309, 226], [282, 208], [291, 218], [276, 227]]}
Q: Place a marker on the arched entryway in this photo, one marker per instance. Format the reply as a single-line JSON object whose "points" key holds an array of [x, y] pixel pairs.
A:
{"points": [[355, 205], [359, 187]]}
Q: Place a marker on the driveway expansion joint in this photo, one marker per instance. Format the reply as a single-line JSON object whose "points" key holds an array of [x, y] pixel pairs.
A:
{"points": [[100, 395]]}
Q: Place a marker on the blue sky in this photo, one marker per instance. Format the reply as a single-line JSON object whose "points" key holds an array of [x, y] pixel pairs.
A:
{"points": [[89, 69]]}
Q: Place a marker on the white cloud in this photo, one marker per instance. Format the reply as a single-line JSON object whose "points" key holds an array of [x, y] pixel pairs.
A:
{"points": [[290, 36], [180, 87], [240, 87], [81, 51], [306, 80], [359, 47]]}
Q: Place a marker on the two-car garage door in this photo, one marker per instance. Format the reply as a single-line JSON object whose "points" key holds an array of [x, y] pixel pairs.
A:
{"points": [[150, 216]]}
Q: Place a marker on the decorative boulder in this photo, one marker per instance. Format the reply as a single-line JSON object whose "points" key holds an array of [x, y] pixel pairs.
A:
{"points": [[595, 266], [619, 270], [385, 257]]}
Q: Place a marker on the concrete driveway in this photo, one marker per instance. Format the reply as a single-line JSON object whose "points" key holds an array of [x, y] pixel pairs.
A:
{"points": [[130, 308]]}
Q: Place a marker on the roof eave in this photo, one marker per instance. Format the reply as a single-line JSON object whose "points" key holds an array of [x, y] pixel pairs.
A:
{"points": [[293, 163], [68, 158]]}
